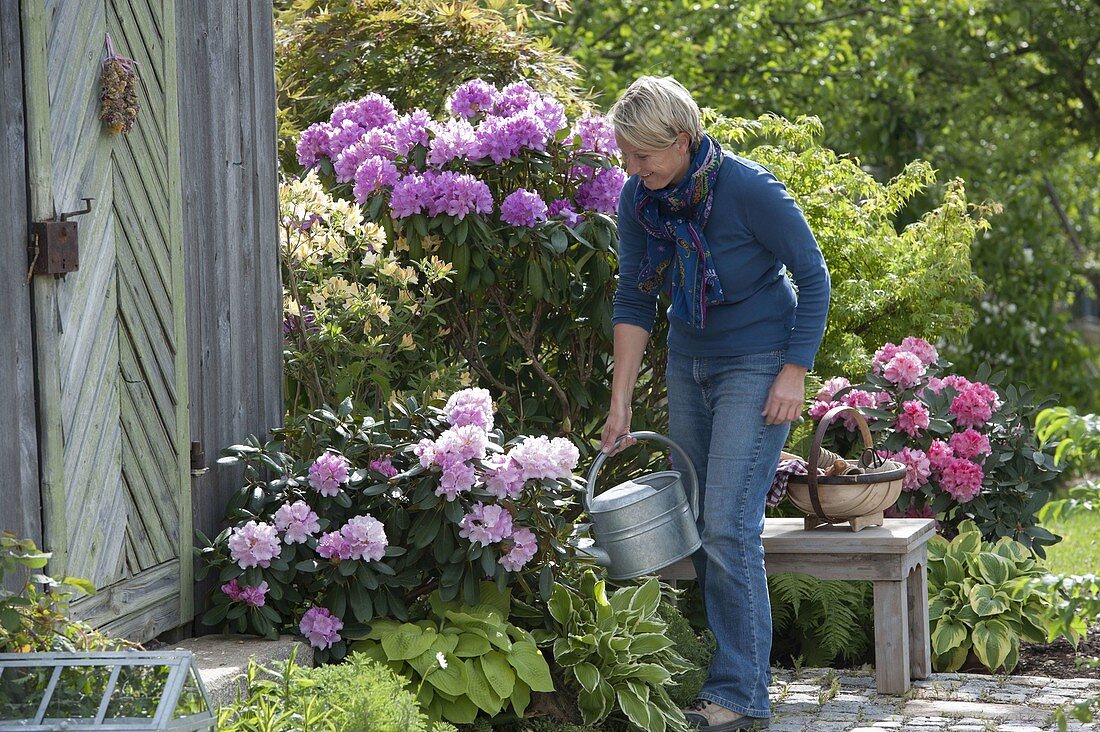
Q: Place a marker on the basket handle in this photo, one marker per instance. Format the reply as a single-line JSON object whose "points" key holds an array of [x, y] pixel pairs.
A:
{"points": [[815, 452]]}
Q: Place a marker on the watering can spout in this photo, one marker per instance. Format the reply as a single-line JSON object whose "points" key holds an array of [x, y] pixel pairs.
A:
{"points": [[598, 553]]}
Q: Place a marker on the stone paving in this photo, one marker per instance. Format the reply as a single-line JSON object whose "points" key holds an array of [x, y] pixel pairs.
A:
{"points": [[824, 700]]}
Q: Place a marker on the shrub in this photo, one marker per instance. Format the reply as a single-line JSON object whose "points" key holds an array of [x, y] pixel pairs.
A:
{"points": [[984, 598], [365, 518], [695, 648], [276, 699], [969, 448]]}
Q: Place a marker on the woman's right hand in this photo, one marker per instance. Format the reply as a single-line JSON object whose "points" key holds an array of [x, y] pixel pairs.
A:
{"points": [[616, 426]]}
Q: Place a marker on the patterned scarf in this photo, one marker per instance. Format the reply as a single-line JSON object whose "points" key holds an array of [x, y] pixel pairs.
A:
{"points": [[695, 282]]}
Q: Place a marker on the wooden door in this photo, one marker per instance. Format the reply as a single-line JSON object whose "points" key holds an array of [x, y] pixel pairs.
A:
{"points": [[110, 338]]}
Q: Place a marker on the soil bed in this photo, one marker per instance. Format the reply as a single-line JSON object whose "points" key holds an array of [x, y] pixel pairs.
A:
{"points": [[1059, 660]]}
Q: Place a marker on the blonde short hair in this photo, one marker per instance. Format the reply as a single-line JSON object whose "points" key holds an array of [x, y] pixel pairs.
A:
{"points": [[653, 111]]}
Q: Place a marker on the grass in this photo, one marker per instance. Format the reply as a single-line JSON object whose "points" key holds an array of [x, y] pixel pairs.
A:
{"points": [[1079, 550]]}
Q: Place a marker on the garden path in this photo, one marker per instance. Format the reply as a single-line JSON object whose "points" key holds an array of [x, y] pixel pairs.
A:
{"points": [[827, 700]]}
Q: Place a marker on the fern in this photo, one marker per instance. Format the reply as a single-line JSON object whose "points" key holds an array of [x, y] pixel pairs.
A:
{"points": [[821, 621]]}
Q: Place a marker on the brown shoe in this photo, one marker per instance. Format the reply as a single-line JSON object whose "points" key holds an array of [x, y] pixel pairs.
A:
{"points": [[706, 716]]}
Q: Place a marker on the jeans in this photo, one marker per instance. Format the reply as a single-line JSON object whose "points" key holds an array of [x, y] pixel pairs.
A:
{"points": [[714, 414]]}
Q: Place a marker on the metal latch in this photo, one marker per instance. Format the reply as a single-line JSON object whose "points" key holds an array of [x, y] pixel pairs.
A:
{"points": [[198, 458], [53, 247]]}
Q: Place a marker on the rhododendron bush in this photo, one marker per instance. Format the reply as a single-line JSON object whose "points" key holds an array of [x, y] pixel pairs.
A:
{"points": [[504, 204], [365, 519], [969, 446]]}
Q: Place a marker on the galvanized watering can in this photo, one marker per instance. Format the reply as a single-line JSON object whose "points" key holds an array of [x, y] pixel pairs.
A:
{"points": [[647, 523]]}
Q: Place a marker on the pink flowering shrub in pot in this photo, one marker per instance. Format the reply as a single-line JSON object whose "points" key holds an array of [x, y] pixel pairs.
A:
{"points": [[516, 199], [343, 519], [969, 445]]}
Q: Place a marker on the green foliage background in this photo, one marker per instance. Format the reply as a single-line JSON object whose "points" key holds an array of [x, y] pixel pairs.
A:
{"points": [[1001, 93]]}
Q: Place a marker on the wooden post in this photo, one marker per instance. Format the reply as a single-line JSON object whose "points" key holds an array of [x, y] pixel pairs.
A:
{"points": [[920, 647], [891, 637]]}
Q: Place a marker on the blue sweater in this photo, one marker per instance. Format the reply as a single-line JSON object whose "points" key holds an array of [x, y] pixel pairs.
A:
{"points": [[755, 228]]}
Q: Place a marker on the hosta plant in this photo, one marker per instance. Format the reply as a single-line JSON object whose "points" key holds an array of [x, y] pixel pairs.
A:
{"points": [[343, 519], [617, 651], [983, 599], [463, 659]]}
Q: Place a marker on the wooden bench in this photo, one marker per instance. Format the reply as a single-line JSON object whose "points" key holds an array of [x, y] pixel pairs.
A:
{"points": [[893, 556]]}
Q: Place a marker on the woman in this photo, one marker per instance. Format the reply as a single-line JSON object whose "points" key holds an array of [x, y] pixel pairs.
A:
{"points": [[721, 233]]}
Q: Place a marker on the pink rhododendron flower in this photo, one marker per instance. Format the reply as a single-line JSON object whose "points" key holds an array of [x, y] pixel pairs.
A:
{"points": [[365, 538], [920, 348], [486, 525], [956, 382], [551, 113], [970, 444], [233, 589], [541, 457], [857, 398], [254, 545], [504, 477], [473, 97], [470, 406], [883, 356], [384, 466], [913, 511], [524, 546], [904, 369], [297, 521], [523, 208], [820, 409], [320, 627], [913, 417], [456, 444], [974, 405], [254, 596], [829, 389], [328, 473], [962, 479], [940, 454], [917, 468]]}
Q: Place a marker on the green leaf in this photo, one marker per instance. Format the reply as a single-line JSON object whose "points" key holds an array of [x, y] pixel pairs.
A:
{"points": [[650, 673], [495, 667], [471, 645], [451, 680], [479, 689], [994, 568], [647, 598], [459, 711], [634, 701], [588, 676], [560, 605], [531, 666], [406, 642], [521, 698], [986, 601], [595, 705], [992, 643], [647, 643], [947, 635]]}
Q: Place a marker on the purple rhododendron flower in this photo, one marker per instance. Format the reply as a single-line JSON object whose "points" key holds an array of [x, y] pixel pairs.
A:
{"points": [[374, 174], [365, 538], [460, 444], [523, 208], [411, 130], [473, 97], [458, 194], [373, 110], [409, 196], [458, 477], [297, 521], [384, 466], [524, 546], [596, 134], [515, 98], [320, 627], [470, 406], [328, 472], [551, 113], [233, 589], [313, 144], [563, 208], [526, 130], [332, 545], [254, 545], [486, 525], [342, 136], [453, 139], [254, 596], [601, 191]]}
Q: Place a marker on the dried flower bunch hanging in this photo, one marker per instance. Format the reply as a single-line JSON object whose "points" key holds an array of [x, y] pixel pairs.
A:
{"points": [[118, 100]]}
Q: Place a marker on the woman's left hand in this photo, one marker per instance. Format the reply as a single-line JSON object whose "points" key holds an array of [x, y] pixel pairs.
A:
{"points": [[786, 395]]}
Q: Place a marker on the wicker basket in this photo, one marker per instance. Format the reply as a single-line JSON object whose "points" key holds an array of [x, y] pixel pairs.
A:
{"points": [[857, 498]]}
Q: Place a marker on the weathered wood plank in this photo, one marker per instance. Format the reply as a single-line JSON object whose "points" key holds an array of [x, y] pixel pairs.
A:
{"points": [[896, 535], [920, 645], [230, 204], [132, 607], [891, 638], [20, 501]]}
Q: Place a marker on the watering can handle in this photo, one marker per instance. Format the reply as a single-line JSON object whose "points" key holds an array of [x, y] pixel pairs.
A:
{"points": [[693, 492]]}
